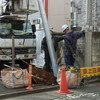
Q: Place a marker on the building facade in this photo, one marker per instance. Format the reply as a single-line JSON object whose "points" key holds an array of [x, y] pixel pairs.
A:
{"points": [[86, 13], [59, 13]]}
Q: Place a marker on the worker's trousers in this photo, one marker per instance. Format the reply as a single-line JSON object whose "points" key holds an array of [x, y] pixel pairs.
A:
{"points": [[69, 60]]}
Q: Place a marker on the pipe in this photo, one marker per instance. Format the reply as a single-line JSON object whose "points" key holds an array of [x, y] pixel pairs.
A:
{"points": [[48, 37], [13, 51]]}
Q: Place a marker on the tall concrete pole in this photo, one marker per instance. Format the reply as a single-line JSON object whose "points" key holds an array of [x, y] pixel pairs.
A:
{"points": [[95, 11], [88, 35], [89, 14], [48, 37]]}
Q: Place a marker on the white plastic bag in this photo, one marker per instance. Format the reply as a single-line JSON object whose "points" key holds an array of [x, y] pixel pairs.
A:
{"points": [[73, 78]]}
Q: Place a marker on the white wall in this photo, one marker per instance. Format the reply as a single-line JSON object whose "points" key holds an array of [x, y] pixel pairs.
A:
{"points": [[58, 13]]}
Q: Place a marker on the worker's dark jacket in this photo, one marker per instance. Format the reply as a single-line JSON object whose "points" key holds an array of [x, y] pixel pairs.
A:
{"points": [[70, 42], [55, 39], [45, 48]]}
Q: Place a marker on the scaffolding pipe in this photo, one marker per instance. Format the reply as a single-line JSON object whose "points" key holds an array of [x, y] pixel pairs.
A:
{"points": [[48, 37], [13, 51]]}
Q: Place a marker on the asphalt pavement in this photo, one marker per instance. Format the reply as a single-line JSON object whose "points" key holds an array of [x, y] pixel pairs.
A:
{"points": [[86, 92], [9, 92]]}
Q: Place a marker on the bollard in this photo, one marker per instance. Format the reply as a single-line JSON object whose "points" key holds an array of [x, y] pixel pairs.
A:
{"points": [[30, 79]]}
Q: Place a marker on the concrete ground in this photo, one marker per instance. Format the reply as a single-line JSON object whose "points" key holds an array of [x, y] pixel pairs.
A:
{"points": [[6, 93], [89, 91], [86, 92]]}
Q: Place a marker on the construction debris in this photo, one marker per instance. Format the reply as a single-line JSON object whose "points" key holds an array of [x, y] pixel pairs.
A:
{"points": [[41, 76]]}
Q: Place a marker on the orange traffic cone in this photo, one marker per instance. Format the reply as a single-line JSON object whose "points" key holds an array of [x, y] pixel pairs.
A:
{"points": [[30, 79], [63, 83]]}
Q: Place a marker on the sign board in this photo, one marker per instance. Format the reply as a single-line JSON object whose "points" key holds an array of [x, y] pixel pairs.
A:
{"points": [[90, 71]]}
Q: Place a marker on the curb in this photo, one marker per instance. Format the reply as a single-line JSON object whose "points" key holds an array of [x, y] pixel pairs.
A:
{"points": [[14, 94]]}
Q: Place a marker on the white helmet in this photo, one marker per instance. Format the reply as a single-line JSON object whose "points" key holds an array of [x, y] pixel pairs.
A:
{"points": [[64, 27]]}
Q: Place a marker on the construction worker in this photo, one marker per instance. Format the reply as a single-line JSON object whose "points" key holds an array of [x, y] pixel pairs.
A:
{"points": [[55, 39], [47, 66], [70, 44]]}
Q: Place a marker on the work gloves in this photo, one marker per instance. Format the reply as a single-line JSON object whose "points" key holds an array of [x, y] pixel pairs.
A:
{"points": [[74, 55], [83, 32]]}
